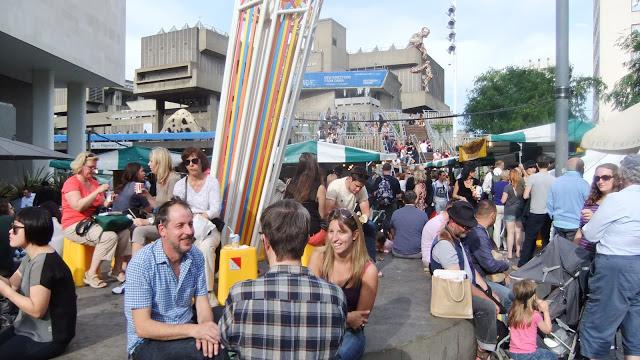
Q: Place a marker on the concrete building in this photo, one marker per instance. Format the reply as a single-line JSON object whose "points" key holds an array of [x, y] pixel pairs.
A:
{"points": [[183, 66], [99, 99], [612, 20], [329, 54], [46, 45]]}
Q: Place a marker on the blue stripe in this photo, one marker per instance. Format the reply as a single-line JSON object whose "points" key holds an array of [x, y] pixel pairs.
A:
{"points": [[205, 135]]}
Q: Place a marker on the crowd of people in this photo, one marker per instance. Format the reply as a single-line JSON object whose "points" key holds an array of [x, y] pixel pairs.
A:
{"points": [[165, 256]]}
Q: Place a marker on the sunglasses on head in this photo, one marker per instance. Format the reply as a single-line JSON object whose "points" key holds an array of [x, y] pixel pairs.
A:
{"points": [[343, 212], [15, 228], [603, 177], [194, 161]]}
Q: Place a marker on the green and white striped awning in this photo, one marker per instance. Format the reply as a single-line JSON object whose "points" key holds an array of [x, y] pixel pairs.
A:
{"points": [[332, 153], [118, 159], [442, 162], [545, 133]]}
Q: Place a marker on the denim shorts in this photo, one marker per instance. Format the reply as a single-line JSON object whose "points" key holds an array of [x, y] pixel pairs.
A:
{"points": [[613, 302]]}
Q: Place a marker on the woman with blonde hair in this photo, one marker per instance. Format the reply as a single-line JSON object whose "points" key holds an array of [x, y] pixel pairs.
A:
{"points": [[344, 261], [81, 197], [421, 189], [513, 205], [161, 166]]}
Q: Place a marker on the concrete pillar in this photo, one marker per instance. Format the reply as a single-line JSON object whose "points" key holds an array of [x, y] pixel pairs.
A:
{"points": [[42, 119], [76, 118], [212, 110], [159, 115]]}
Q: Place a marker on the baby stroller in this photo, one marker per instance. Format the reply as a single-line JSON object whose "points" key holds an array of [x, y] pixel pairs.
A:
{"points": [[561, 273]]}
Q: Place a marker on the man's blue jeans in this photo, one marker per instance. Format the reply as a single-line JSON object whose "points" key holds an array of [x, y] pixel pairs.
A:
{"points": [[352, 346], [170, 350], [504, 293], [369, 228]]}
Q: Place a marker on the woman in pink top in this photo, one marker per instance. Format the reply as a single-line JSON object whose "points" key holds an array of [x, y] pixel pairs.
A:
{"points": [[527, 315], [81, 197]]}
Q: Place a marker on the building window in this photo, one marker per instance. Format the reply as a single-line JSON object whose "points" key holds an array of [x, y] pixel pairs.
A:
{"points": [[334, 42], [635, 5], [635, 27]]}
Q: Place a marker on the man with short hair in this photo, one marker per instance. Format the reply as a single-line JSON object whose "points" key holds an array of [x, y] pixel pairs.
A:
{"points": [[406, 224], [288, 313], [538, 220], [566, 199], [162, 281], [349, 192], [480, 244], [27, 198], [386, 193]]}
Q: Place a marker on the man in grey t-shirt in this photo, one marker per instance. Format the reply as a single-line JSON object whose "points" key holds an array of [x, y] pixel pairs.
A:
{"points": [[537, 190]]}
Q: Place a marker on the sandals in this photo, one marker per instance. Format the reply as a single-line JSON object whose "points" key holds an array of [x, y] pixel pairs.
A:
{"points": [[94, 281]]}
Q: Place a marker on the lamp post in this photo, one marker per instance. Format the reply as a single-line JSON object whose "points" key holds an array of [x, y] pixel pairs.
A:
{"points": [[562, 91]]}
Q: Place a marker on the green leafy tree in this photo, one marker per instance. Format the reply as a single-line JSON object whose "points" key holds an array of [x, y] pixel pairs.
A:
{"points": [[626, 92], [519, 97]]}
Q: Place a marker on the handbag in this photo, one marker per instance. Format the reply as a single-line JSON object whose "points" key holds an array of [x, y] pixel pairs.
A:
{"points": [[84, 225], [113, 222], [450, 297]]}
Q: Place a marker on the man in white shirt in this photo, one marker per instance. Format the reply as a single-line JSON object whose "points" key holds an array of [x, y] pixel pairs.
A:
{"points": [[27, 198], [491, 177]]}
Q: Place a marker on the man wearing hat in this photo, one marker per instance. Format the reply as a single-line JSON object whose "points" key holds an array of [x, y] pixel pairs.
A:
{"points": [[449, 253]]}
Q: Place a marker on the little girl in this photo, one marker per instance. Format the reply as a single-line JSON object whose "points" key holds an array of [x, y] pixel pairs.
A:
{"points": [[524, 321]]}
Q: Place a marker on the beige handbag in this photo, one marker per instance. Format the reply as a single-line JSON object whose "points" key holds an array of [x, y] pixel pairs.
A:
{"points": [[451, 298]]}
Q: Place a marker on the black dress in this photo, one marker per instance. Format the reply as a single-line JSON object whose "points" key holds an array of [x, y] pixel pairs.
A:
{"points": [[468, 193]]}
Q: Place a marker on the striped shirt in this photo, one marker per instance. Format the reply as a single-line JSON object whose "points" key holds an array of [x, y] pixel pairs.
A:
{"points": [[151, 283], [287, 314]]}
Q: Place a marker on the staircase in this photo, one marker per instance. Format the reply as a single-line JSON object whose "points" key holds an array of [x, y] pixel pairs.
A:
{"points": [[420, 132]]}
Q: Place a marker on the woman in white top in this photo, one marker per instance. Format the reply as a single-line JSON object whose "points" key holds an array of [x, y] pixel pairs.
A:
{"points": [[202, 192]]}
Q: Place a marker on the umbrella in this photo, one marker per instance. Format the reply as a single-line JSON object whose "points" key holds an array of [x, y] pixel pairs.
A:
{"points": [[545, 133], [620, 133], [17, 150], [332, 153], [118, 159]]}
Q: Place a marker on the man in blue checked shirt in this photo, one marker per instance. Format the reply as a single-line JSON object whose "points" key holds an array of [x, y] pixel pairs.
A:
{"points": [[288, 313], [162, 280]]}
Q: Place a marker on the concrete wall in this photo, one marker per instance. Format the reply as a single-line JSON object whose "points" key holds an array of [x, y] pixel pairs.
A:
{"points": [[613, 19], [88, 33], [16, 96], [331, 38], [316, 101]]}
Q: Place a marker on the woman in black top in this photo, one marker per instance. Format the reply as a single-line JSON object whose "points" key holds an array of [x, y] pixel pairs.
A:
{"points": [[306, 188], [465, 187], [43, 290]]}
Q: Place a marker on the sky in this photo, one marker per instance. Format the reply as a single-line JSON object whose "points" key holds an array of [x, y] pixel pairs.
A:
{"points": [[489, 33]]}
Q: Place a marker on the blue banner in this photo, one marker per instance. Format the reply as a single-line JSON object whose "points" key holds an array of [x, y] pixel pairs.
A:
{"points": [[344, 79]]}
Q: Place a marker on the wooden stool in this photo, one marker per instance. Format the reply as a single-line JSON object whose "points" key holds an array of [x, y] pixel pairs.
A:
{"points": [[236, 264], [78, 259]]}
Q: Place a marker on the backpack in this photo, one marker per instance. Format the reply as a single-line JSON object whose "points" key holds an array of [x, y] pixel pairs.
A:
{"points": [[384, 194]]}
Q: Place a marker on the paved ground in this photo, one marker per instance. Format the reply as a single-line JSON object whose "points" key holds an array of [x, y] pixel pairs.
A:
{"points": [[400, 327]]}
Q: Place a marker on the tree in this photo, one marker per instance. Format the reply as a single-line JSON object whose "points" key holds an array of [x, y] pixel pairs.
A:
{"points": [[626, 92], [520, 97]]}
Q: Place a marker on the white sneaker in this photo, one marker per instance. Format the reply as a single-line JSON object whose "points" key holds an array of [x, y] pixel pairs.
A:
{"points": [[118, 290]]}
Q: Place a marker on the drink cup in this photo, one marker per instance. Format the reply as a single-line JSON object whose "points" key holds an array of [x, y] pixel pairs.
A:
{"points": [[109, 196], [138, 187]]}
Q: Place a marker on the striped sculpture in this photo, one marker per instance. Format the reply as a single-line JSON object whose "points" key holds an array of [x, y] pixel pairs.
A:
{"points": [[269, 44]]}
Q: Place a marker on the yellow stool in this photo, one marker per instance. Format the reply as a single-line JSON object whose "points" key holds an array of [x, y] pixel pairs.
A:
{"points": [[78, 259], [306, 256], [236, 264]]}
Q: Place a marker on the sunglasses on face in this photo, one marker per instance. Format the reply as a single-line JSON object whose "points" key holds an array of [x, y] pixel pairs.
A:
{"points": [[15, 228], [603, 178], [194, 161]]}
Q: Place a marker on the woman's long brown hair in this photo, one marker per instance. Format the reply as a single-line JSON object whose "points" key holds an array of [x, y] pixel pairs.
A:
{"points": [[595, 194], [359, 255]]}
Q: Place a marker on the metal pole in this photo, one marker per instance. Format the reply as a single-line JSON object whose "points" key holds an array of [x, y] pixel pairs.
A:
{"points": [[562, 85]]}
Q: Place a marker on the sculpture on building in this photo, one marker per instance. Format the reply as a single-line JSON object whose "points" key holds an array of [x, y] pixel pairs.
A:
{"points": [[424, 68], [181, 121]]}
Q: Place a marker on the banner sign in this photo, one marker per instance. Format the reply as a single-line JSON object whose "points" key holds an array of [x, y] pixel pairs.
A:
{"points": [[344, 79]]}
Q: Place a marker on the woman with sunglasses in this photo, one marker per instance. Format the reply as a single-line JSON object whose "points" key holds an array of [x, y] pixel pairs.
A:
{"points": [[202, 192], [43, 290], [605, 181], [81, 197], [344, 261]]}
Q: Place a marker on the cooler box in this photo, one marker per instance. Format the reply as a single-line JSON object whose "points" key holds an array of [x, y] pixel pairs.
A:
{"points": [[236, 264]]}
